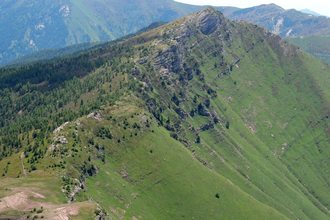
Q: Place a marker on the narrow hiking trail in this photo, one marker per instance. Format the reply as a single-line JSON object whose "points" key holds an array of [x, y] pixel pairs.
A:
{"points": [[22, 156]]}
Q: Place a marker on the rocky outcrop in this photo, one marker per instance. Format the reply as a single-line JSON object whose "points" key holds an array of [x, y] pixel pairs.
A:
{"points": [[135, 72], [190, 73], [169, 127], [73, 193], [100, 213], [181, 113], [143, 60], [57, 130], [208, 21], [248, 50], [169, 60], [207, 127], [203, 111], [62, 140], [216, 120]]}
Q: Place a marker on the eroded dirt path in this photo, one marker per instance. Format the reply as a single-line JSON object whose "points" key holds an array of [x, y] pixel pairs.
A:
{"points": [[21, 202], [22, 156]]}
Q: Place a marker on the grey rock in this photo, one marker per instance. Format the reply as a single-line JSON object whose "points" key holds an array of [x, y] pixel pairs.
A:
{"points": [[135, 72], [181, 113], [203, 111], [169, 60], [169, 127], [74, 192], [144, 60], [190, 73], [207, 21], [207, 127]]}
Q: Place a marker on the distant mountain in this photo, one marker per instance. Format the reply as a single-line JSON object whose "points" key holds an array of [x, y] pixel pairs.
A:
{"points": [[286, 23], [307, 11], [290, 24], [27, 26], [49, 55]]}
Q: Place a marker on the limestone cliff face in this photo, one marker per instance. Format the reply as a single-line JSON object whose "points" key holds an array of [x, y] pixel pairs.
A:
{"points": [[169, 60], [208, 21]]}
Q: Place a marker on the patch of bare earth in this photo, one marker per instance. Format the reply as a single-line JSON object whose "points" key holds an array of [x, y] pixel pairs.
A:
{"points": [[20, 201]]}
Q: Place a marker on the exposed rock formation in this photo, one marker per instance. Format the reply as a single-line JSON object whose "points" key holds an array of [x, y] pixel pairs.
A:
{"points": [[207, 21], [181, 113], [73, 193], [143, 60], [135, 72], [207, 127], [203, 111], [169, 60]]}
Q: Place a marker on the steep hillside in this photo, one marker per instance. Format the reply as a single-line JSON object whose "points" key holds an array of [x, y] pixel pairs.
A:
{"points": [[290, 24], [201, 118], [49, 55]]}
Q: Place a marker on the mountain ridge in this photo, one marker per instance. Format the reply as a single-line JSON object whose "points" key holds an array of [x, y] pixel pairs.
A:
{"points": [[30, 26], [286, 23], [307, 11]]}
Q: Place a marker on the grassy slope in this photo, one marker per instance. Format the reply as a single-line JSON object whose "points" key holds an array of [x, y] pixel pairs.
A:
{"points": [[177, 185], [53, 200], [258, 158], [264, 97], [167, 183]]}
